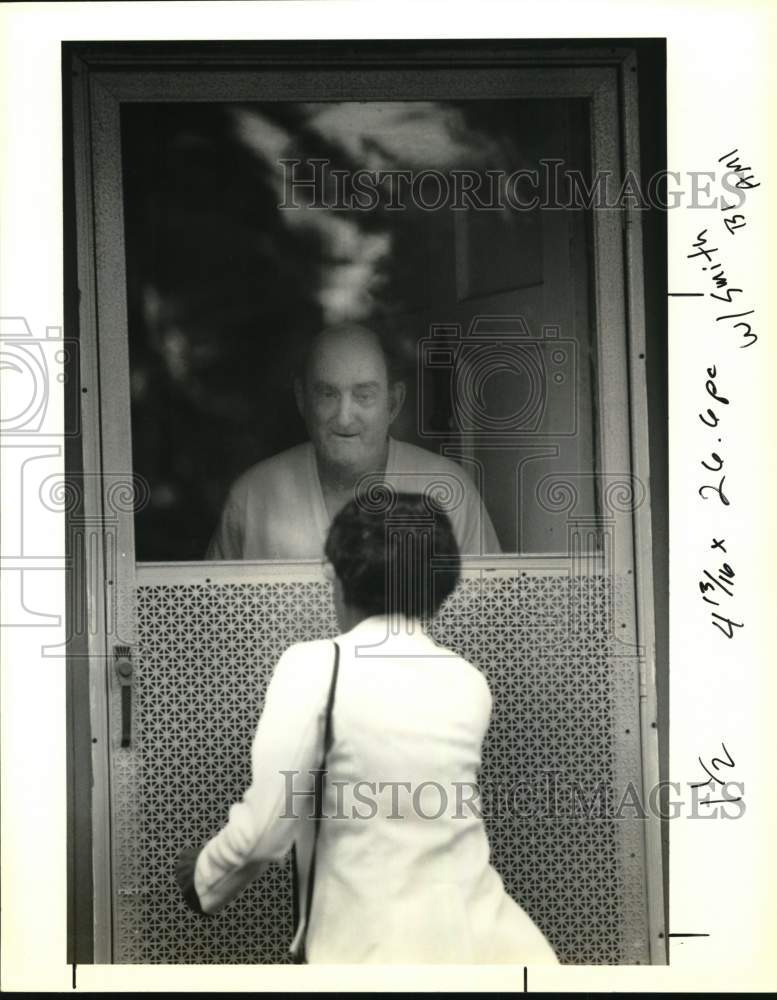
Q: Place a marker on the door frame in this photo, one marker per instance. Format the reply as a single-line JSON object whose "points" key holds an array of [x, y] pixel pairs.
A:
{"points": [[100, 75]]}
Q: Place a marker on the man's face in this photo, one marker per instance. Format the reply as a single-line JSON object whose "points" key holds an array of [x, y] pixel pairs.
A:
{"points": [[347, 403]]}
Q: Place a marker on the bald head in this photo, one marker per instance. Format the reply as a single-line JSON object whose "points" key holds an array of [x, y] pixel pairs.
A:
{"points": [[345, 334]]}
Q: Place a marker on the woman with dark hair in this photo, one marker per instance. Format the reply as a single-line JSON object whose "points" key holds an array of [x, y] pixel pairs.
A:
{"points": [[393, 855], [399, 561]]}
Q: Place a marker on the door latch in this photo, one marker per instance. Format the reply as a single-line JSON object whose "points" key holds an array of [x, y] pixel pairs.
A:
{"points": [[122, 656]]}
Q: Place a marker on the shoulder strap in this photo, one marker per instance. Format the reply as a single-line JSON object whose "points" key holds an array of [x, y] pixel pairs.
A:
{"points": [[328, 738], [318, 793]]}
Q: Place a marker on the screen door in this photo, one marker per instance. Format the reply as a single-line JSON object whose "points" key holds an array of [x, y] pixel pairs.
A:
{"points": [[184, 365]]}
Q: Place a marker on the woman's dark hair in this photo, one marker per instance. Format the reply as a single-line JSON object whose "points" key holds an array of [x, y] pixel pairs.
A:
{"points": [[398, 554]]}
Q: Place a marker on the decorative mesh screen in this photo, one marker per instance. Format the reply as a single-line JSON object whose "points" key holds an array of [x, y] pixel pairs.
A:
{"points": [[565, 717]]}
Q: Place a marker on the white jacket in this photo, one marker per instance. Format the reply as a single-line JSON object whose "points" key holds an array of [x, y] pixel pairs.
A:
{"points": [[402, 864]]}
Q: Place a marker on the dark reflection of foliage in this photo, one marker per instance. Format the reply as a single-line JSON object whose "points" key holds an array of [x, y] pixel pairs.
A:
{"points": [[234, 288]]}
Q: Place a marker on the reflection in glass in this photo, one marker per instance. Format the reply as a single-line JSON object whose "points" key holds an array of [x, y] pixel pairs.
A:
{"points": [[487, 305]]}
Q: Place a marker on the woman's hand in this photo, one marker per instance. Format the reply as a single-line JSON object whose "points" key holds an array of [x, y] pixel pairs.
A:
{"points": [[184, 876]]}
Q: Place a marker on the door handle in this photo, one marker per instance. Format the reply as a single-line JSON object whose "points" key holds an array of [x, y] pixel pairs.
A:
{"points": [[123, 662]]}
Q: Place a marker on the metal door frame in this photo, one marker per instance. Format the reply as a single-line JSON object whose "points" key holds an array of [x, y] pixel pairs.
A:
{"points": [[104, 75]]}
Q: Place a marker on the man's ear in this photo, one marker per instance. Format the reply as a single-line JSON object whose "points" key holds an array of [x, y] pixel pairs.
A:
{"points": [[397, 391], [299, 395]]}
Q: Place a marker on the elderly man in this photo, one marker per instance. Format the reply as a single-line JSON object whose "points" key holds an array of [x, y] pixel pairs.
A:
{"points": [[281, 508]]}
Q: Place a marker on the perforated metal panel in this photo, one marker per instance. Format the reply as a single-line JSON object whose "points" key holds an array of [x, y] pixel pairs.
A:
{"points": [[564, 704]]}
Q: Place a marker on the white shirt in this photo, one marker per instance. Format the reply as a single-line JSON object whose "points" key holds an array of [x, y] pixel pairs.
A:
{"points": [[402, 868], [276, 509]]}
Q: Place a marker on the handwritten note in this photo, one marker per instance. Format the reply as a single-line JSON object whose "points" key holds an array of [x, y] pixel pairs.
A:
{"points": [[718, 779], [716, 254], [729, 320]]}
